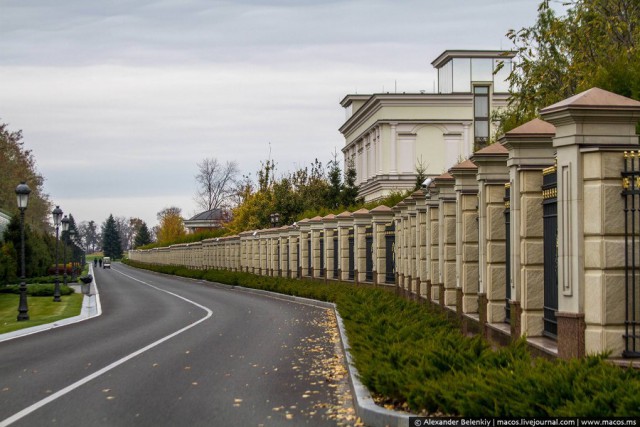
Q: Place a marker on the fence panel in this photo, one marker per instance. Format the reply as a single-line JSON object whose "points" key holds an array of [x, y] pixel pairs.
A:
{"points": [[390, 253], [631, 194], [550, 244], [507, 222]]}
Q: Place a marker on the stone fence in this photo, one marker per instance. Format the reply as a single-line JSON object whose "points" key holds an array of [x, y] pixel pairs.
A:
{"points": [[530, 237]]}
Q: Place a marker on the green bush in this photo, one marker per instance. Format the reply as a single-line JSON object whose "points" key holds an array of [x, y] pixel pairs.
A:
{"points": [[411, 353], [36, 290]]}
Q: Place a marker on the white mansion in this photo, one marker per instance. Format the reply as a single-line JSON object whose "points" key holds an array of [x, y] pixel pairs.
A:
{"points": [[388, 134]]}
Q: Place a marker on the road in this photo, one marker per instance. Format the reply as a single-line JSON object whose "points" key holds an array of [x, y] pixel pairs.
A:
{"points": [[170, 352]]}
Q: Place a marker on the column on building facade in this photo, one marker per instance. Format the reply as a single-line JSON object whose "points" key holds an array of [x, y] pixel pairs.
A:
{"points": [[593, 129], [331, 247], [361, 220], [447, 235], [530, 151], [393, 149], [467, 273], [492, 176], [378, 150], [345, 223], [381, 218]]}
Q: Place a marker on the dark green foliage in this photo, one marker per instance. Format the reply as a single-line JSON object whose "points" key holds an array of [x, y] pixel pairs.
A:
{"points": [[36, 290], [111, 245], [596, 43], [38, 252], [409, 352], [142, 236], [349, 195], [8, 263]]}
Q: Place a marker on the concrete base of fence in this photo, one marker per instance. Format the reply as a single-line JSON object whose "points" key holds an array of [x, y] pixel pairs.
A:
{"points": [[571, 342]]}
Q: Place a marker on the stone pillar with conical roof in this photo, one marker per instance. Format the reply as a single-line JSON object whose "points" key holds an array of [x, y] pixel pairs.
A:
{"points": [[381, 218], [345, 225], [530, 152], [420, 278], [492, 177], [398, 212], [331, 245], [467, 273], [293, 242], [361, 221], [306, 266], [433, 242], [593, 129], [447, 238]]}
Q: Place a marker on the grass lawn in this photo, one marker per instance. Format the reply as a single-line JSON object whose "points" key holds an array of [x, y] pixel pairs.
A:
{"points": [[41, 310]]}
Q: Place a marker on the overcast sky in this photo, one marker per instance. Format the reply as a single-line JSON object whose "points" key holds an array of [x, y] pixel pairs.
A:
{"points": [[120, 99]]}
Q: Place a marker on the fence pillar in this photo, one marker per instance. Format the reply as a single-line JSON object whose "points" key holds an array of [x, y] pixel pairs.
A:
{"points": [[530, 151], [492, 175], [381, 218], [467, 274], [345, 224], [433, 242], [361, 220], [592, 130], [447, 238]]}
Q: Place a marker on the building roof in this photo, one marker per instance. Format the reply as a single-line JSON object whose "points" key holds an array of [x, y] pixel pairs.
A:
{"points": [[211, 215], [449, 54]]}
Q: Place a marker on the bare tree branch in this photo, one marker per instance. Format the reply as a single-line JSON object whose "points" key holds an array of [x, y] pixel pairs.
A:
{"points": [[216, 182]]}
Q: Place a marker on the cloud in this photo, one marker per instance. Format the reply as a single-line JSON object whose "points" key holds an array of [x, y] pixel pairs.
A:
{"points": [[120, 99]]}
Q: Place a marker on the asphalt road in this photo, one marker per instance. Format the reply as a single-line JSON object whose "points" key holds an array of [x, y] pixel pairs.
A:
{"points": [[175, 352]]}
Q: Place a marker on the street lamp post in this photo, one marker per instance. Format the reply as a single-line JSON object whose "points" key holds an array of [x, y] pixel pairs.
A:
{"points": [[275, 219], [22, 194], [57, 216], [65, 228]]}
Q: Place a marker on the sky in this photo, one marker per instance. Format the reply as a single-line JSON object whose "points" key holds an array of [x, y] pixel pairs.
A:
{"points": [[119, 99]]}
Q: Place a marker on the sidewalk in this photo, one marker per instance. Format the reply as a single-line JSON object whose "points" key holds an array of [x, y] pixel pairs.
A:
{"points": [[90, 308]]}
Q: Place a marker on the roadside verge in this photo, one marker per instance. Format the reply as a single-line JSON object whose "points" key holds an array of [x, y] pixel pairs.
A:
{"points": [[90, 308]]}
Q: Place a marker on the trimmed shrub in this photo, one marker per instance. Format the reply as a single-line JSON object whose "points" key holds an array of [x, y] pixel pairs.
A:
{"points": [[411, 354]]}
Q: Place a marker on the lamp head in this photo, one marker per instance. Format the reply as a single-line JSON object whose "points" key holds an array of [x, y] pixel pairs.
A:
{"points": [[65, 223], [22, 194], [57, 216]]}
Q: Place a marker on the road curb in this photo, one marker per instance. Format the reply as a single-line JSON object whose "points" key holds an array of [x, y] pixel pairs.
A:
{"points": [[91, 308], [371, 414]]}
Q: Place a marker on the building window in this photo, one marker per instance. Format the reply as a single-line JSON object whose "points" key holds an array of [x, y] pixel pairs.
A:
{"points": [[481, 116]]}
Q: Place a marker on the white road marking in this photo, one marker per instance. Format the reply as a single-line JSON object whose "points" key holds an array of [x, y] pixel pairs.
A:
{"points": [[19, 415]]}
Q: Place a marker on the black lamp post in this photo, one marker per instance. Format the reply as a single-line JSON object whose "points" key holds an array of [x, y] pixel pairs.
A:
{"points": [[65, 228], [22, 194], [275, 219], [57, 217]]}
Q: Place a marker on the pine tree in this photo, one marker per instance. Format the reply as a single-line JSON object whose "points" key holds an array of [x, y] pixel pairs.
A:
{"points": [[111, 245], [142, 236], [349, 194], [335, 183]]}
